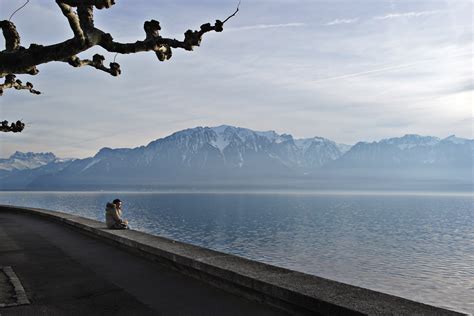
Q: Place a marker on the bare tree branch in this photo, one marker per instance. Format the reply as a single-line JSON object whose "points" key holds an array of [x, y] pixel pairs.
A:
{"points": [[14, 127], [160, 45], [10, 82], [96, 62], [19, 60], [233, 14]]}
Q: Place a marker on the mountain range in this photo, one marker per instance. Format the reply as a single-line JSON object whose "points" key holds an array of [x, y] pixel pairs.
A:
{"points": [[228, 155]]}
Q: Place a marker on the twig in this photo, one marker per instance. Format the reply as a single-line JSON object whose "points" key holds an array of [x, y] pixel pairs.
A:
{"points": [[18, 9], [233, 14]]}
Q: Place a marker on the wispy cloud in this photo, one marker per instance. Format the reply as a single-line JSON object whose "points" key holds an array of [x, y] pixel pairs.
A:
{"points": [[265, 26], [411, 14], [341, 21], [405, 15], [466, 87], [368, 72]]}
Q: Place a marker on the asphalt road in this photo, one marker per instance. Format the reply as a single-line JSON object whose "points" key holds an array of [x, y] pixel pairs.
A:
{"points": [[67, 273]]}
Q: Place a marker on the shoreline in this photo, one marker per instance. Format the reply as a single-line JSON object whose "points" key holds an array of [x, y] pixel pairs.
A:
{"points": [[262, 192]]}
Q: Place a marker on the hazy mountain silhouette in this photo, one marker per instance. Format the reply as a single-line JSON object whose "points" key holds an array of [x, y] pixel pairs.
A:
{"points": [[239, 156]]}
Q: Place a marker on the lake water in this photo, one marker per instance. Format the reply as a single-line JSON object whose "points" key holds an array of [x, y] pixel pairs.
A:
{"points": [[419, 247]]}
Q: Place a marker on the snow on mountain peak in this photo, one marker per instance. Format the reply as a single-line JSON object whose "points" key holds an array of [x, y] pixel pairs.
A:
{"points": [[222, 140], [456, 140], [221, 128], [270, 135], [29, 155], [343, 148], [224, 134], [305, 143], [29, 160], [409, 141]]}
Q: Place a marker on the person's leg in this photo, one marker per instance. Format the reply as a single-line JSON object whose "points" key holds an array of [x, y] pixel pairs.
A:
{"points": [[123, 226], [119, 226]]}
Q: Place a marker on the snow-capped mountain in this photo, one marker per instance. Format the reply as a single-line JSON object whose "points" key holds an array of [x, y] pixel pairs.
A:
{"points": [[457, 140], [29, 160], [318, 151], [228, 154], [410, 151], [241, 148], [20, 169], [205, 151]]}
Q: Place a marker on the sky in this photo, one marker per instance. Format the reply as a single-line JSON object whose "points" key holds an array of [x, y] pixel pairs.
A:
{"points": [[347, 70]]}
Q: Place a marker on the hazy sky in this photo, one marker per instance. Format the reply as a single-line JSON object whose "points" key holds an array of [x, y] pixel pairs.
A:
{"points": [[347, 70]]}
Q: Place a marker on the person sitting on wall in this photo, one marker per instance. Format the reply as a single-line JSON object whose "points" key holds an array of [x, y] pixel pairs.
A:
{"points": [[113, 215]]}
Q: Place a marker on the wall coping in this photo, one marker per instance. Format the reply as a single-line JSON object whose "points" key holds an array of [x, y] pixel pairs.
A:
{"points": [[296, 292]]}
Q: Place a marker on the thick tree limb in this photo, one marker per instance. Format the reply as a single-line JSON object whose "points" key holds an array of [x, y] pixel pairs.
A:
{"points": [[24, 61], [14, 127], [12, 38], [99, 4], [86, 17], [73, 20]]}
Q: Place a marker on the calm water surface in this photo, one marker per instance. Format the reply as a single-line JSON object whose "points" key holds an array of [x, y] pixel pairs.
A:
{"points": [[419, 247]]}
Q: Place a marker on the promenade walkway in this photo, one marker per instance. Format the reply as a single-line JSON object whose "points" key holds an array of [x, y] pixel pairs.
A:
{"points": [[65, 272]]}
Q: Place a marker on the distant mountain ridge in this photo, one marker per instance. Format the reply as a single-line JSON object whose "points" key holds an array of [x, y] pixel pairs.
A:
{"points": [[29, 160], [234, 154], [20, 169], [410, 151], [208, 152]]}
